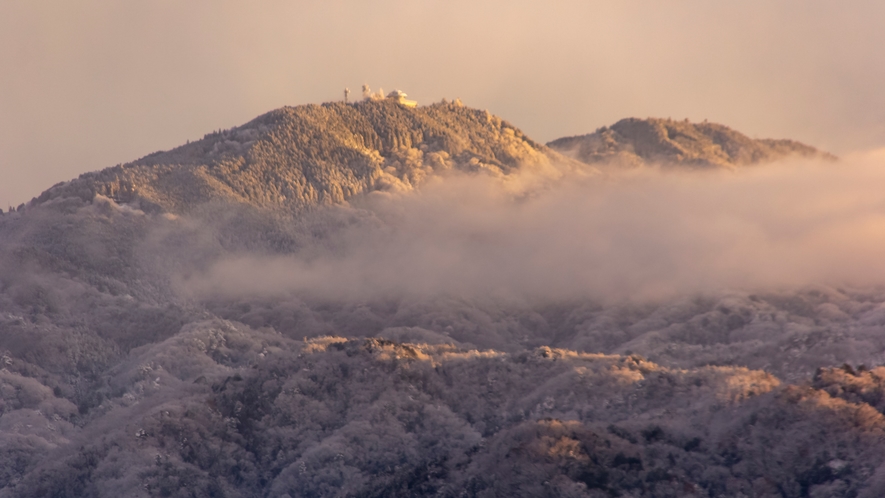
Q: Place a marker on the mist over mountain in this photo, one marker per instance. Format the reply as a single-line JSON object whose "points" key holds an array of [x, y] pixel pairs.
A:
{"points": [[633, 141], [378, 300]]}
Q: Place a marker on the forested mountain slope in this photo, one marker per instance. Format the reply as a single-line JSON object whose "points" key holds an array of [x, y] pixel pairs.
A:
{"points": [[121, 376], [633, 141], [296, 157]]}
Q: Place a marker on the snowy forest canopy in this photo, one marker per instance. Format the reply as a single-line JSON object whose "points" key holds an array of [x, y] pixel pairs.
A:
{"points": [[401, 304]]}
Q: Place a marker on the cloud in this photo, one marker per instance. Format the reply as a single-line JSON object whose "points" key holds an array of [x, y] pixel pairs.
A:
{"points": [[645, 234]]}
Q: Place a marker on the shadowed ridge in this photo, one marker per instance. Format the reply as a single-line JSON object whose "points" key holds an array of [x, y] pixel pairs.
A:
{"points": [[296, 157], [633, 141]]}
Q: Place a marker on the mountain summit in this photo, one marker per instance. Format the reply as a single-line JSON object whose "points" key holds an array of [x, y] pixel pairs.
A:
{"points": [[635, 141], [293, 158], [296, 157]]}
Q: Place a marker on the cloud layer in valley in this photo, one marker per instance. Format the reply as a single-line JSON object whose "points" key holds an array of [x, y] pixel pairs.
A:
{"points": [[645, 233]]}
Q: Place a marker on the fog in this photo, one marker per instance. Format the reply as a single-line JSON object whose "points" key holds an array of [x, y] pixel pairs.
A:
{"points": [[642, 234]]}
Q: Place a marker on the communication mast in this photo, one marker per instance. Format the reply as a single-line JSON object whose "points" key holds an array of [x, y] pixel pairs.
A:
{"points": [[346, 93]]}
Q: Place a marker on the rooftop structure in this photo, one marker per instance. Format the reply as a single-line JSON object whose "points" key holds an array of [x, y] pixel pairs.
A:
{"points": [[400, 97]]}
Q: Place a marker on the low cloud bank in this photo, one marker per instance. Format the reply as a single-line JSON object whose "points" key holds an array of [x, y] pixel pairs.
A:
{"points": [[641, 234]]}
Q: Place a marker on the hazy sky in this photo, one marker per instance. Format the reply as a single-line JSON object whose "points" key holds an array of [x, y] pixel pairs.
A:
{"points": [[92, 83]]}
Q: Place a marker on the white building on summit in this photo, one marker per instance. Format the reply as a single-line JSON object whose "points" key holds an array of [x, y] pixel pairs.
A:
{"points": [[400, 97]]}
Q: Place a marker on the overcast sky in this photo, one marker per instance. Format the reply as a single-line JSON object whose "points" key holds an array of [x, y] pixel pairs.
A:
{"points": [[88, 84]]}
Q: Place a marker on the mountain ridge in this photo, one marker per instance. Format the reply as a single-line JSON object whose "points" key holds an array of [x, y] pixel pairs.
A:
{"points": [[635, 141], [293, 158], [117, 380], [296, 157]]}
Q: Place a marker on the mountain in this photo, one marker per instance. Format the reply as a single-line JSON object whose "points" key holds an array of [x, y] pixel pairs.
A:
{"points": [[296, 157], [634, 141], [186, 325]]}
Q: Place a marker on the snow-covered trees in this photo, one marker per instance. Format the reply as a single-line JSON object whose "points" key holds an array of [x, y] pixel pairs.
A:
{"points": [[274, 311]]}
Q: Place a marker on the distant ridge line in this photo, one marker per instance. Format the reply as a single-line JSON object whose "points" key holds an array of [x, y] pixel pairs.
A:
{"points": [[634, 141]]}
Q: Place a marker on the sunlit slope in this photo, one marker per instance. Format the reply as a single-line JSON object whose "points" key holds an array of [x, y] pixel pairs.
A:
{"points": [[633, 141], [296, 157]]}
